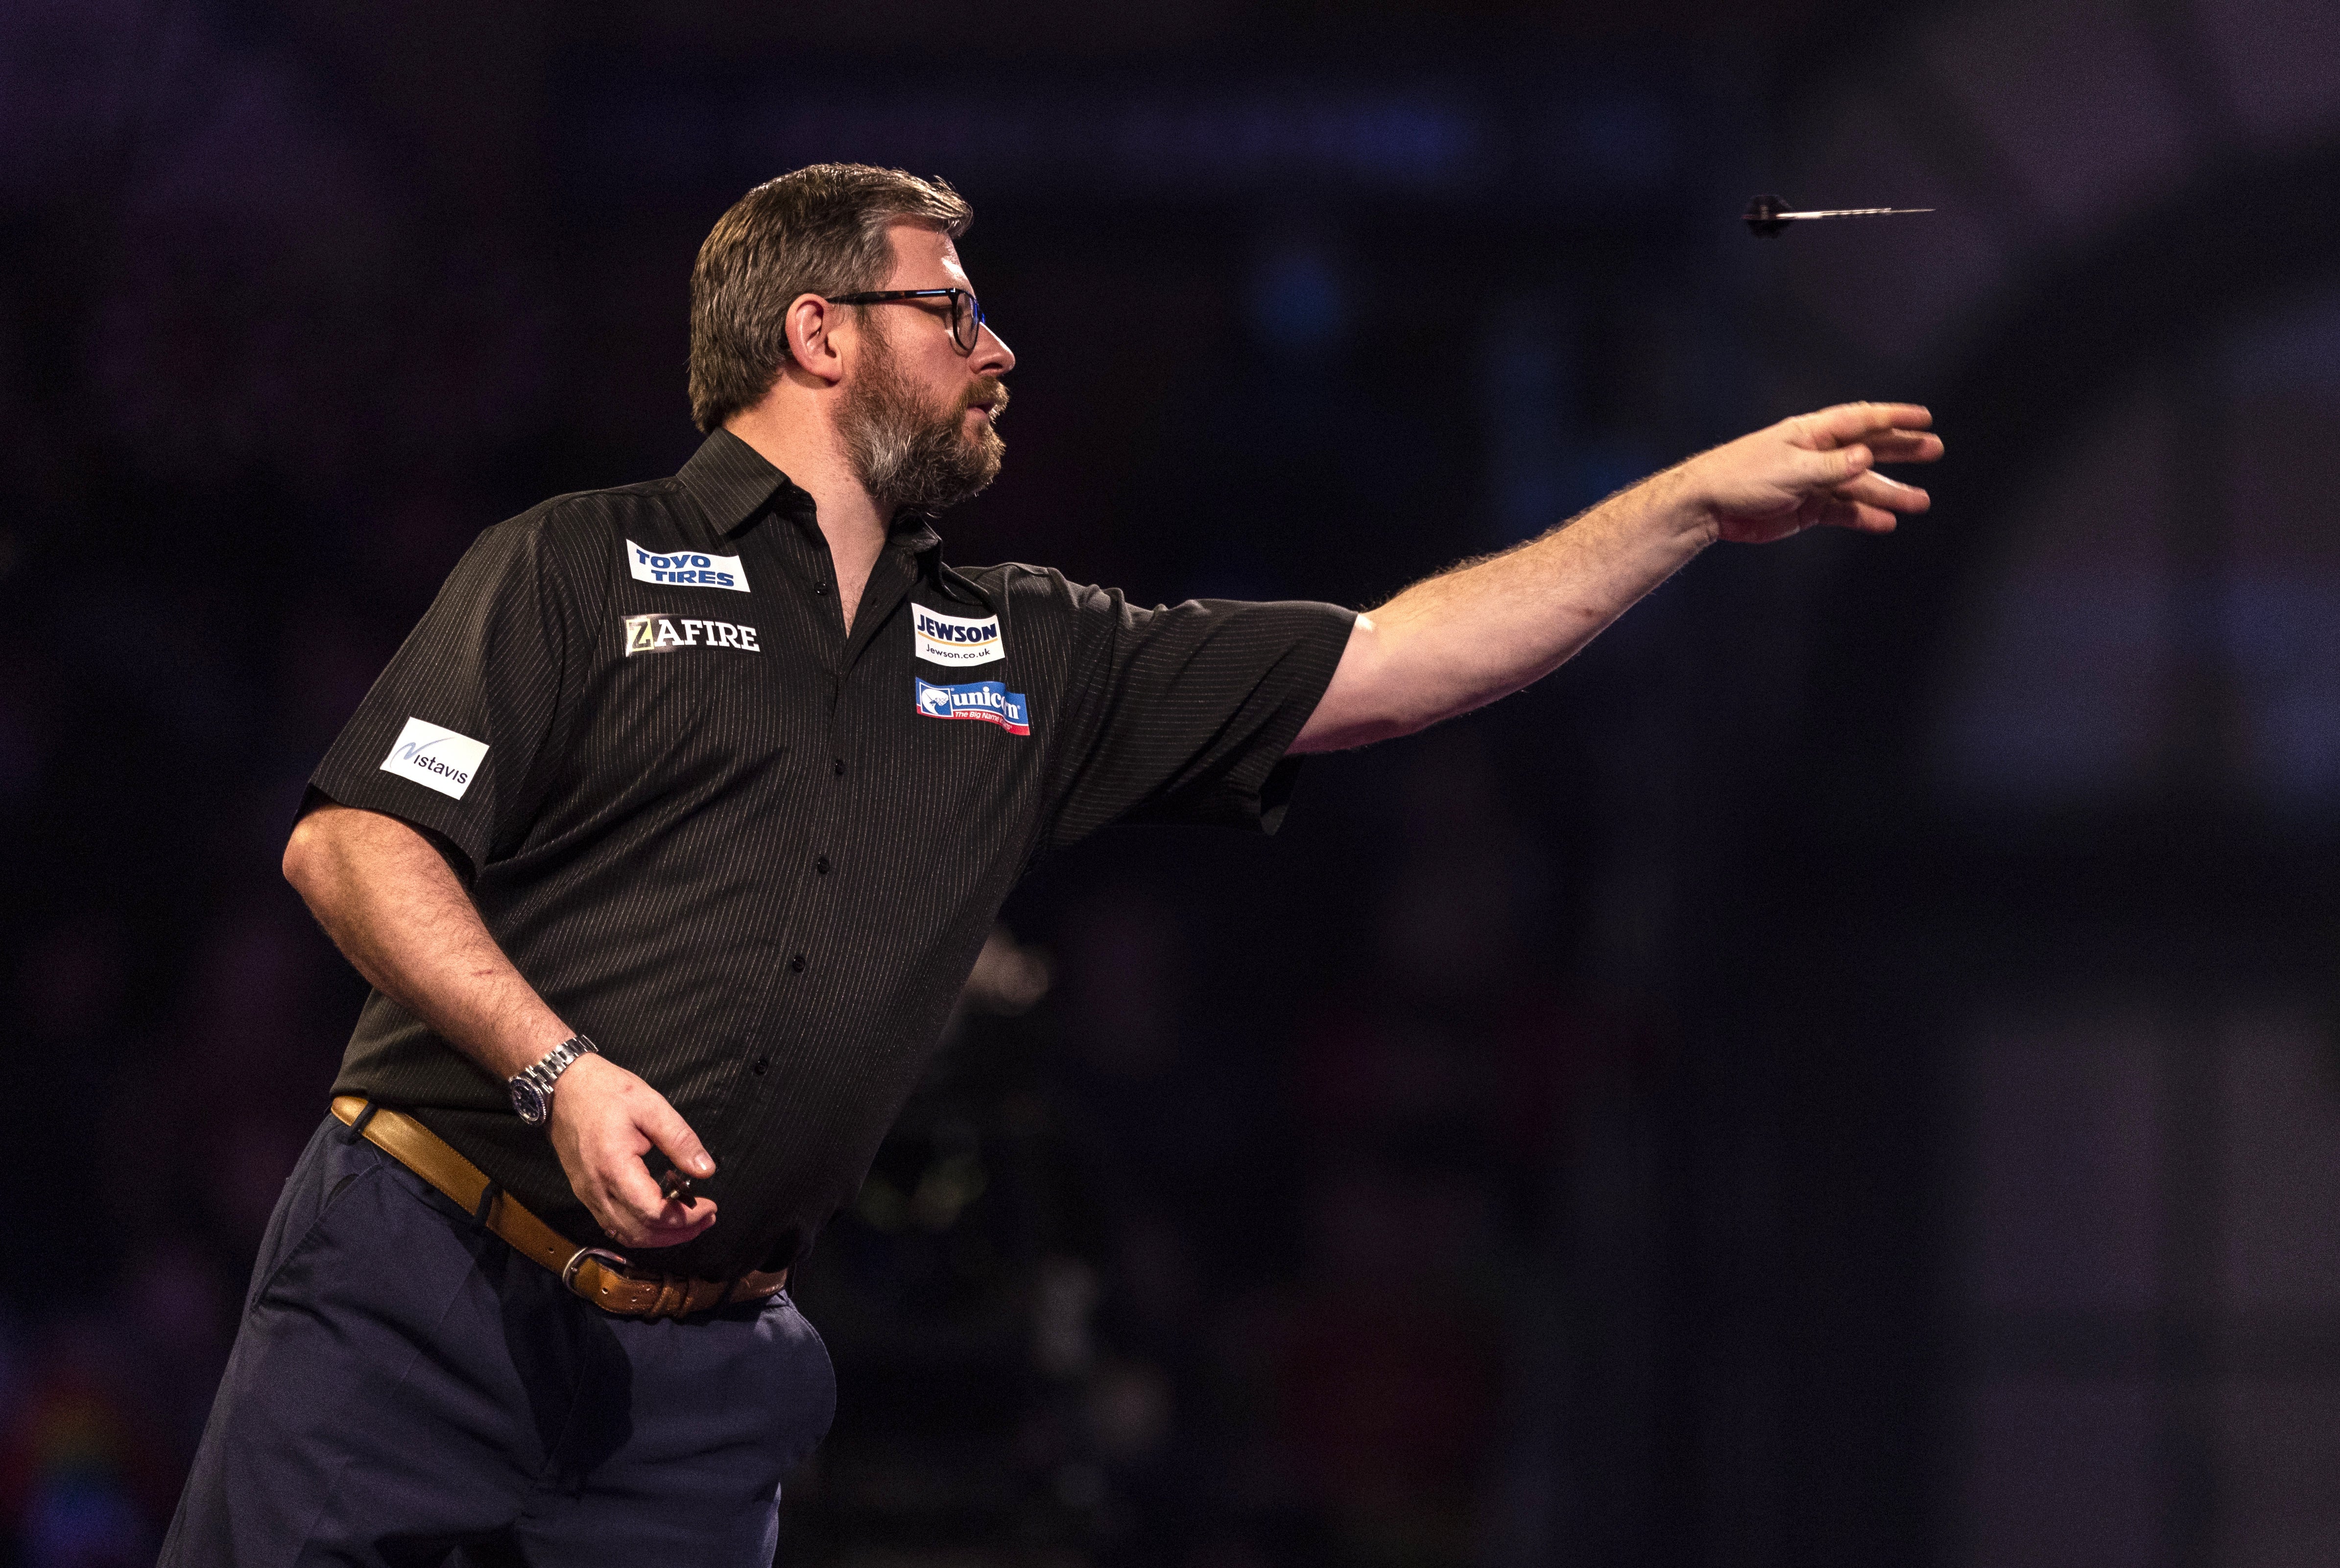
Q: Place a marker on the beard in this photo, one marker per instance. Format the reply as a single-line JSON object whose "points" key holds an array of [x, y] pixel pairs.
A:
{"points": [[909, 455]]}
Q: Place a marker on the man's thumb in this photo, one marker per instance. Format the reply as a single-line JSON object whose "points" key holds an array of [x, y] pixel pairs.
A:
{"points": [[675, 1139], [1852, 460]]}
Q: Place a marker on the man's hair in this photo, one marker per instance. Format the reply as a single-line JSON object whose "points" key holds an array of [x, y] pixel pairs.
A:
{"points": [[819, 231]]}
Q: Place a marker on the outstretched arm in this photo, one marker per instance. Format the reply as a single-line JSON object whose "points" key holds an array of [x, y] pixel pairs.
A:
{"points": [[1490, 627], [396, 912]]}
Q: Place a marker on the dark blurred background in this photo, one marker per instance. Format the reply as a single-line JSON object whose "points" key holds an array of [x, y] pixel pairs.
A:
{"points": [[1845, 1073]]}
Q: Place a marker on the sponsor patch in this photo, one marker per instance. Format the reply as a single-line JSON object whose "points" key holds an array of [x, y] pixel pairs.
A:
{"points": [[666, 633], [984, 699], [686, 568], [955, 639], [436, 758]]}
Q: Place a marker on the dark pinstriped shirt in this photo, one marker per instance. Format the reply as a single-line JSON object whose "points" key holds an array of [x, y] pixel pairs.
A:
{"points": [[753, 856]]}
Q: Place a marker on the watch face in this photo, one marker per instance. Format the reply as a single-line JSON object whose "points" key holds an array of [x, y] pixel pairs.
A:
{"points": [[529, 1101]]}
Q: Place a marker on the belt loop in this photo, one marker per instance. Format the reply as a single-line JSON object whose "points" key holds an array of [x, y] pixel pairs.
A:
{"points": [[357, 1128], [488, 1196], [680, 1287]]}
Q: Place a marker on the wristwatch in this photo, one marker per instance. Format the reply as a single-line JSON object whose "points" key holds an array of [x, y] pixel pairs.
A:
{"points": [[532, 1086]]}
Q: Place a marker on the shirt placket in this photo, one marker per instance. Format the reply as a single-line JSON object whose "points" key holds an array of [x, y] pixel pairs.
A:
{"points": [[819, 865]]}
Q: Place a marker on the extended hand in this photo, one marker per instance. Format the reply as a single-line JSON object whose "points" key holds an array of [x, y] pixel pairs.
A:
{"points": [[1816, 468], [603, 1120]]}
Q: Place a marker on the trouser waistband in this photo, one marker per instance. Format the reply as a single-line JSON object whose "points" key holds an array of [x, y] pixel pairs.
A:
{"points": [[602, 1277]]}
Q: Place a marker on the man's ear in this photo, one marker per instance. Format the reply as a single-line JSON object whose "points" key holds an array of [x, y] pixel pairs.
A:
{"points": [[809, 321]]}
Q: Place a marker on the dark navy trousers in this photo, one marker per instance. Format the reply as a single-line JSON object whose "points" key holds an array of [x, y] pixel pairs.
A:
{"points": [[406, 1390]]}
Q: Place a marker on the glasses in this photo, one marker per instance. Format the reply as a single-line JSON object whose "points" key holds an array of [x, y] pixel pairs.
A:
{"points": [[965, 315]]}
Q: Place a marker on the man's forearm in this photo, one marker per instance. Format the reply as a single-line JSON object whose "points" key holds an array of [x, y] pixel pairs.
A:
{"points": [[397, 912], [1490, 627], [1486, 630]]}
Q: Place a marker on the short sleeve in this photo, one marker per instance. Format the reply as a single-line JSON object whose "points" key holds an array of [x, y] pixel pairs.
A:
{"points": [[1184, 714], [450, 736]]}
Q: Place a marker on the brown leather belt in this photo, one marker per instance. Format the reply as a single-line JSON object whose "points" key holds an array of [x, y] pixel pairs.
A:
{"points": [[601, 1277]]}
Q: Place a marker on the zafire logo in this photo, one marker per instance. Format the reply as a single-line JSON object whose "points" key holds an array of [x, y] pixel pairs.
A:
{"points": [[665, 633]]}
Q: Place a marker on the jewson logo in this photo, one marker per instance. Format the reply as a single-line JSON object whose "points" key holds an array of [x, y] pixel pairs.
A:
{"points": [[955, 639], [686, 568], [984, 699], [436, 758]]}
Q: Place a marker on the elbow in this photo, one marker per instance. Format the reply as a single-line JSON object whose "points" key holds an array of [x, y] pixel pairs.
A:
{"points": [[302, 852], [1352, 727], [1370, 697], [1372, 730]]}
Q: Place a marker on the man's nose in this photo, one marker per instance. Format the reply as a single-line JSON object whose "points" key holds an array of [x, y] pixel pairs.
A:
{"points": [[992, 355]]}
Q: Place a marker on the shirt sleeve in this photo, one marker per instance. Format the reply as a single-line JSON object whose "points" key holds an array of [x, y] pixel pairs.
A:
{"points": [[1184, 714], [450, 736]]}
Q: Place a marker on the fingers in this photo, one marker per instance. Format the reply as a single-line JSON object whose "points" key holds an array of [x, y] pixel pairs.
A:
{"points": [[1859, 519], [663, 1221], [1903, 446], [1874, 489], [604, 1119], [1850, 422], [1871, 504], [633, 1210], [1819, 468], [1827, 469], [650, 1216], [1893, 432], [672, 1225]]}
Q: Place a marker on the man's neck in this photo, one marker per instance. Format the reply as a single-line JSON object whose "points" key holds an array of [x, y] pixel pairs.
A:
{"points": [[807, 451]]}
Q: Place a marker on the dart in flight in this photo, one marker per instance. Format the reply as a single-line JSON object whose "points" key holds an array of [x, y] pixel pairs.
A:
{"points": [[1767, 217]]}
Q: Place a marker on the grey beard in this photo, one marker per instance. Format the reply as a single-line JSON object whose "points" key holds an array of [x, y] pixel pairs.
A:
{"points": [[907, 458]]}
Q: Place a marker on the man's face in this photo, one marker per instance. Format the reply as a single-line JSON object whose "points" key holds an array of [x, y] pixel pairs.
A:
{"points": [[919, 415]]}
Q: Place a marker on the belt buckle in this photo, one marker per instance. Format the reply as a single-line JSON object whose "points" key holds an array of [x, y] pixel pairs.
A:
{"points": [[569, 1271]]}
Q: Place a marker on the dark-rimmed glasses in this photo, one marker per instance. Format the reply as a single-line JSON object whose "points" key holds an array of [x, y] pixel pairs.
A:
{"points": [[965, 315]]}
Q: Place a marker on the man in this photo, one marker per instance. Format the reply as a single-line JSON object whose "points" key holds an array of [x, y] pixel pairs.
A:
{"points": [[666, 840]]}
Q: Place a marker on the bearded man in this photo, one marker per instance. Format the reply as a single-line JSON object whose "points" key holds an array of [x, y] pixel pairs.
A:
{"points": [[666, 840]]}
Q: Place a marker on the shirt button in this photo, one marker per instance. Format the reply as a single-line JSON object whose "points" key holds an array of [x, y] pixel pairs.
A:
{"points": [[761, 1063], [797, 963], [819, 589], [820, 864], [836, 766]]}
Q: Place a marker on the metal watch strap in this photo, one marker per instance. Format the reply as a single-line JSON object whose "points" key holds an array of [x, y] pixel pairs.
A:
{"points": [[542, 1074]]}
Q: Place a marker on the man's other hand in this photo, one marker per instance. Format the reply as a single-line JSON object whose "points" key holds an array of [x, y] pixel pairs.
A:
{"points": [[604, 1120], [1816, 469]]}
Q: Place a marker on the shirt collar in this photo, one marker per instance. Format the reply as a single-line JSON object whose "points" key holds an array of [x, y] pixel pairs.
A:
{"points": [[913, 534], [734, 483]]}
